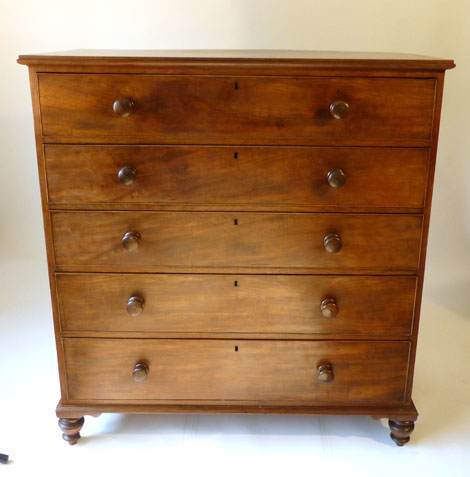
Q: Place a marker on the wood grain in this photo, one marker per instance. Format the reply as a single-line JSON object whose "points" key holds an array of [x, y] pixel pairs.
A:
{"points": [[259, 370], [77, 105], [282, 176], [259, 240], [241, 304]]}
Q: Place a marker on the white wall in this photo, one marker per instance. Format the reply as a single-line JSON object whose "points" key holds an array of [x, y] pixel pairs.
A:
{"points": [[430, 27]]}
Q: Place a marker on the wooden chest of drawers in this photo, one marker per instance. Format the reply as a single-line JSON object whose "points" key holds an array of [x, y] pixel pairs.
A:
{"points": [[236, 231]]}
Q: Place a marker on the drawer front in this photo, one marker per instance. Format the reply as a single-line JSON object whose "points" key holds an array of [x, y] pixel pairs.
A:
{"points": [[235, 303], [102, 369], [393, 177], [75, 105], [226, 239]]}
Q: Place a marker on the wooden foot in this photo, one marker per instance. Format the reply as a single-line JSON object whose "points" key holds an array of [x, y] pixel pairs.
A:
{"points": [[401, 431], [71, 428]]}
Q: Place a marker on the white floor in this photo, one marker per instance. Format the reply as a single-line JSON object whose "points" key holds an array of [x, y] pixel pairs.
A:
{"points": [[223, 445]]}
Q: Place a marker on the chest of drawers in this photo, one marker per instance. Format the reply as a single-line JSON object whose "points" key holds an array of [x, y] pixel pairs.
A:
{"points": [[236, 231]]}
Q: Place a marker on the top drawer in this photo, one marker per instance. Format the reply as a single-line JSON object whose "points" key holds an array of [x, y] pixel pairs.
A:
{"points": [[241, 108]]}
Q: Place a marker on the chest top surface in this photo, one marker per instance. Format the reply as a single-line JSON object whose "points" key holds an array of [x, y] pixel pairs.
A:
{"points": [[317, 59]]}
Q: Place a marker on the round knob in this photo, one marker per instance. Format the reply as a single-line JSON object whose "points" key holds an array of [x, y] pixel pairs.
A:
{"points": [[332, 243], [336, 178], [130, 241], [140, 372], [127, 175], [123, 107], [135, 306], [329, 308], [339, 109], [325, 373]]}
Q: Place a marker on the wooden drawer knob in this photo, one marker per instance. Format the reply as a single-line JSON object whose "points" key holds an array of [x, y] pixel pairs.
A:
{"points": [[336, 178], [135, 306], [339, 109], [123, 107], [329, 308], [325, 373], [140, 372], [332, 243], [127, 175], [131, 241]]}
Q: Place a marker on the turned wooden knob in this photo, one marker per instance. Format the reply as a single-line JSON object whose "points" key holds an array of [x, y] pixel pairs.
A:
{"points": [[329, 308], [127, 175], [325, 373], [339, 109], [332, 243], [123, 107], [135, 306], [131, 241], [140, 372], [336, 178]]}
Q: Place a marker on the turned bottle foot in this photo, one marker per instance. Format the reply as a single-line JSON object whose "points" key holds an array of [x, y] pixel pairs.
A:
{"points": [[400, 431], [71, 428]]}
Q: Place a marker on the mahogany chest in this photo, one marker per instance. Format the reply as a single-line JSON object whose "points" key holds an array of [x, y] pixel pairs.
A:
{"points": [[236, 231]]}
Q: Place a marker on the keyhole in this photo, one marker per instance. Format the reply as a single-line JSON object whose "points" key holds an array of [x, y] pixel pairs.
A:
{"points": [[236, 349], [235, 222], [235, 283], [235, 155], [236, 84]]}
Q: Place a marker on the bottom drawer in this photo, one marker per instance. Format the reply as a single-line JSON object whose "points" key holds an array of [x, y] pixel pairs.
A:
{"points": [[235, 370]]}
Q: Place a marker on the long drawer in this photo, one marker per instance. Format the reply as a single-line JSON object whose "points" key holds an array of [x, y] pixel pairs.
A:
{"points": [[241, 304], [230, 370], [231, 239], [318, 176], [75, 105]]}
